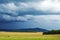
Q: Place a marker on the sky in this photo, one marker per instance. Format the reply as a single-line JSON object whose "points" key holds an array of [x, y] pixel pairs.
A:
{"points": [[19, 14]]}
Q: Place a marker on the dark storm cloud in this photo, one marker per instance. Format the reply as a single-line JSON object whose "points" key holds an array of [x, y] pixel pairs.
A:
{"points": [[17, 14], [9, 18], [8, 1], [13, 9], [32, 7]]}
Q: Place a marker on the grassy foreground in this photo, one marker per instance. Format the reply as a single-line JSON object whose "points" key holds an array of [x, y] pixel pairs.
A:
{"points": [[27, 36]]}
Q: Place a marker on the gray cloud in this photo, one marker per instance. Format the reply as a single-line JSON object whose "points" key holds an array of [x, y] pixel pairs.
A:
{"points": [[38, 8], [15, 1], [13, 11], [9, 18]]}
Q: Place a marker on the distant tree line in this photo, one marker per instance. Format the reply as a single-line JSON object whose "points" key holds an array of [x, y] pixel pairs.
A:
{"points": [[53, 32], [18, 30]]}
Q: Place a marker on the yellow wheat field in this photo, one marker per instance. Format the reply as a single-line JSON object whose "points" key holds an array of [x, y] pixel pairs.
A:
{"points": [[27, 36]]}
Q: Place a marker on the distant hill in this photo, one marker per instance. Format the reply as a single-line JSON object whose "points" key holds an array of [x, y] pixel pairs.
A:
{"points": [[25, 30]]}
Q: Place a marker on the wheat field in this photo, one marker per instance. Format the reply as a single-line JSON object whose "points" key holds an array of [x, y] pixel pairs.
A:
{"points": [[27, 36]]}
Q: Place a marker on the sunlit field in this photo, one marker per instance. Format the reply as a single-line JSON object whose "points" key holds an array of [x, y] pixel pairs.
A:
{"points": [[27, 36]]}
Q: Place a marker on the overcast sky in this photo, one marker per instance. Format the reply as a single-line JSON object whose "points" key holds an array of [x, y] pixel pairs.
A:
{"points": [[17, 14]]}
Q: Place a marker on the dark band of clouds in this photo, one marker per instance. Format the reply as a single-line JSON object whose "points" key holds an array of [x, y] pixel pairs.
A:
{"points": [[15, 1], [18, 8]]}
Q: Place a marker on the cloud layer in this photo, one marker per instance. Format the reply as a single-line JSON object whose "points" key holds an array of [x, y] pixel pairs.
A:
{"points": [[16, 10], [36, 8], [31, 21], [30, 13], [15, 18]]}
